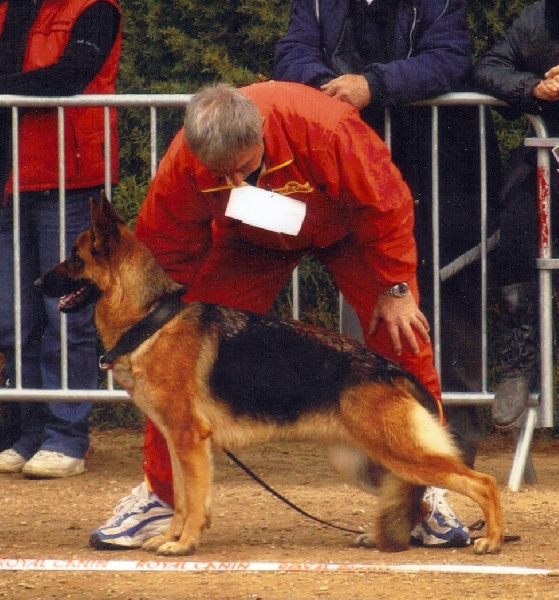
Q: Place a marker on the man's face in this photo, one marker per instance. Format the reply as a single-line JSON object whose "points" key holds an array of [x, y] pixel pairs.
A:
{"points": [[242, 164]]}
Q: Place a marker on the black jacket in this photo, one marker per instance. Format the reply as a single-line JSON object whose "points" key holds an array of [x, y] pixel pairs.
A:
{"points": [[511, 69]]}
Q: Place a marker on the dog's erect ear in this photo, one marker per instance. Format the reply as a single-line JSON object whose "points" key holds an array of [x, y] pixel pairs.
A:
{"points": [[104, 224]]}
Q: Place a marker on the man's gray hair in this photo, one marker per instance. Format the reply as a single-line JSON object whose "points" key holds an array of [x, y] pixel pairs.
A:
{"points": [[219, 122]]}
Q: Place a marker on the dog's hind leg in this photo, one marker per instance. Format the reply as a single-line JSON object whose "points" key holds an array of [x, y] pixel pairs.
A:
{"points": [[427, 468], [482, 489], [401, 507], [430, 460], [397, 432]]}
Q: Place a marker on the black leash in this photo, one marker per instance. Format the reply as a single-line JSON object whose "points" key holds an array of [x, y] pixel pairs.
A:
{"points": [[480, 524], [254, 476]]}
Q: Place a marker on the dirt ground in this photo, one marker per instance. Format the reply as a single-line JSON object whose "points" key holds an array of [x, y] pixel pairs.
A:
{"points": [[53, 519]]}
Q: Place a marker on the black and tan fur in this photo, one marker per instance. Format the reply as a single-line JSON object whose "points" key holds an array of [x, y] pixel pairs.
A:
{"points": [[218, 377]]}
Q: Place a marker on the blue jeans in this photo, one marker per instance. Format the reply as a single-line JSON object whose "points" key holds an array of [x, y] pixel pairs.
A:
{"points": [[56, 426]]}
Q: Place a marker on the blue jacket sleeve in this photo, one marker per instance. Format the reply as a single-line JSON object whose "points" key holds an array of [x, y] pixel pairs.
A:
{"points": [[432, 50], [302, 55]]}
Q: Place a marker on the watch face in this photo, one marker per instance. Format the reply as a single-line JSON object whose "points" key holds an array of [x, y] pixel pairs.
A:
{"points": [[399, 290]]}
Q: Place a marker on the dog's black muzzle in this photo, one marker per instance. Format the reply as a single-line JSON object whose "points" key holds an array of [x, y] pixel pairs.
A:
{"points": [[74, 294]]}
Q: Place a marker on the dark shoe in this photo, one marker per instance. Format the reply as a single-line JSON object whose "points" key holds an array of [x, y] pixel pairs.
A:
{"points": [[518, 350], [510, 402]]}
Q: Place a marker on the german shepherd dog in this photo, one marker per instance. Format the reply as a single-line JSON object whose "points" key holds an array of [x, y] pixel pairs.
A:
{"points": [[209, 377]]}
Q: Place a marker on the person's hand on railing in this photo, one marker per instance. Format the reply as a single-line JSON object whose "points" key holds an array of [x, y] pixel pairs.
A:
{"points": [[548, 88], [403, 319], [349, 88]]}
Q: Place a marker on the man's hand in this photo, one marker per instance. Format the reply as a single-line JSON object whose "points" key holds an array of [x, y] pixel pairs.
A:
{"points": [[349, 88], [403, 318], [548, 88]]}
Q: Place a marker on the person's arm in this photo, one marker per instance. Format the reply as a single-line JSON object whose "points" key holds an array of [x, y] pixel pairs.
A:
{"points": [[174, 220], [548, 88], [300, 55], [440, 62], [91, 40], [502, 72], [357, 169]]}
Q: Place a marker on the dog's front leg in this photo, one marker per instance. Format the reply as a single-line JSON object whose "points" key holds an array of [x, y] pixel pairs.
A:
{"points": [[192, 479]]}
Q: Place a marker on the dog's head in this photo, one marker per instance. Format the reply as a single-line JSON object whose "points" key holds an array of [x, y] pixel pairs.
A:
{"points": [[81, 279]]}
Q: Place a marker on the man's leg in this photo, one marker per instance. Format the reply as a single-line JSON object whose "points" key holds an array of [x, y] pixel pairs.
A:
{"points": [[66, 432], [357, 283], [32, 416]]}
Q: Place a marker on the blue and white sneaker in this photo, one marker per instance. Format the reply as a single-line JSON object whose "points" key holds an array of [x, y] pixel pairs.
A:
{"points": [[440, 528], [137, 518]]}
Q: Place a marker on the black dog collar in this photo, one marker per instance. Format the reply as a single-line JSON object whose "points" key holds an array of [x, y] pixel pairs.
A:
{"points": [[169, 305]]}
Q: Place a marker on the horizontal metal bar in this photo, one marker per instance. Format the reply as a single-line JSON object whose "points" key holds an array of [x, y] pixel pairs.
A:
{"points": [[119, 100], [34, 395], [538, 142], [161, 100], [547, 264], [461, 99], [478, 398]]}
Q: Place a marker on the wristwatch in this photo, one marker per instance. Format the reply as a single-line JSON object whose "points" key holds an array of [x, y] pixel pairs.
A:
{"points": [[398, 290]]}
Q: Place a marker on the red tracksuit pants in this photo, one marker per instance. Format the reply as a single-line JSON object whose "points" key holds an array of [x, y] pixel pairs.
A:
{"points": [[248, 277]]}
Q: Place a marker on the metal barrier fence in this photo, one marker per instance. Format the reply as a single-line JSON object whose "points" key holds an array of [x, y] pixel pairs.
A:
{"points": [[540, 412]]}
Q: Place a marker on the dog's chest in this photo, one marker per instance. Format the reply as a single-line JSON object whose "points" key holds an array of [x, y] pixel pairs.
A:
{"points": [[123, 375]]}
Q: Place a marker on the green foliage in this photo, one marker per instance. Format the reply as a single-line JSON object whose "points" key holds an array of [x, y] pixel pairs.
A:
{"points": [[115, 415], [489, 20], [128, 197], [177, 46], [318, 296]]}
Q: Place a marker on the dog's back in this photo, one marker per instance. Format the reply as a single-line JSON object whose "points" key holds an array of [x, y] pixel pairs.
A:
{"points": [[275, 369]]}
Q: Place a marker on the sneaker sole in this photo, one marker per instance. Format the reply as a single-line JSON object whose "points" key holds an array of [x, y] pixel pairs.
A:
{"points": [[40, 473], [509, 425], [454, 542], [9, 469], [96, 542]]}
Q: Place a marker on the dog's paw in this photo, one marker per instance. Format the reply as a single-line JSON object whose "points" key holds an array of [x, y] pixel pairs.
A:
{"points": [[164, 546], [484, 545], [363, 540], [154, 543], [176, 549]]}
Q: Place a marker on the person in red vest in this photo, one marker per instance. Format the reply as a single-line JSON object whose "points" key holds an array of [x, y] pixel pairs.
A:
{"points": [[293, 140], [51, 48]]}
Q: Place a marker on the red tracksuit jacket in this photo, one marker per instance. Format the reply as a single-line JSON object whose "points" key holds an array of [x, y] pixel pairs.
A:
{"points": [[318, 150]]}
